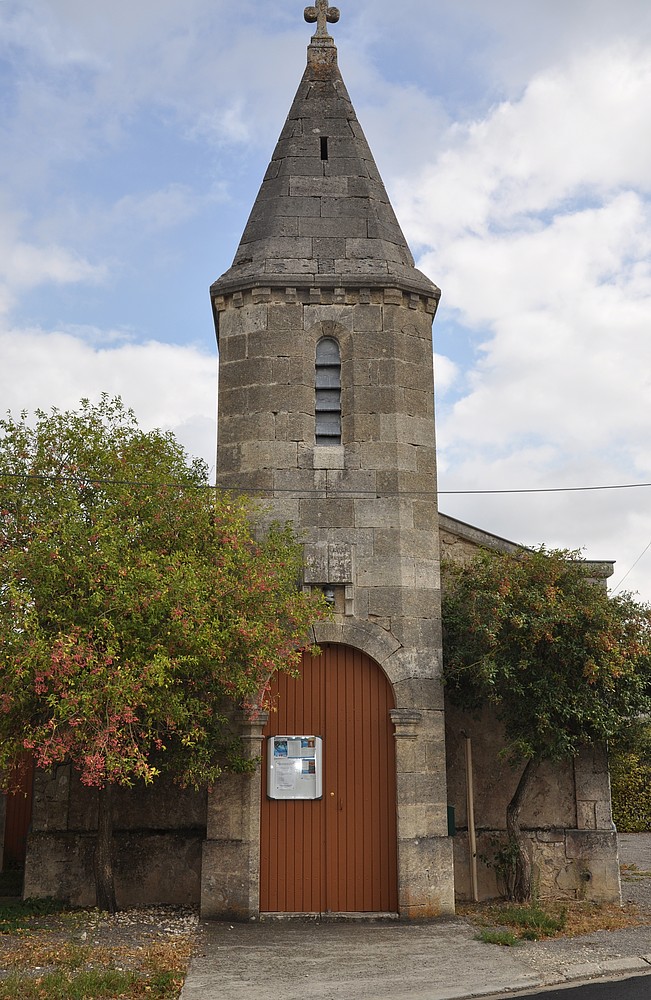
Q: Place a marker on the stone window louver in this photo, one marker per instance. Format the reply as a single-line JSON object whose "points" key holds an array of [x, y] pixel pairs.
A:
{"points": [[327, 408]]}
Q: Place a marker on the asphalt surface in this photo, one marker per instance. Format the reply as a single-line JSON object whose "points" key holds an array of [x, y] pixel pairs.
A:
{"points": [[287, 960], [636, 988]]}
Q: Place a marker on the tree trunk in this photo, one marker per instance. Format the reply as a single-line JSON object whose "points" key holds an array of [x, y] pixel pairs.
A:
{"points": [[520, 888], [104, 876]]}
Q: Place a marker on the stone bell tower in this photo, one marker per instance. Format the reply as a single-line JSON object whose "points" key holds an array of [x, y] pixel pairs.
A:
{"points": [[326, 411]]}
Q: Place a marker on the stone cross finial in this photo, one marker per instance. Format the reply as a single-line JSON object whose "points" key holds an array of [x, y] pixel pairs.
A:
{"points": [[321, 13]]}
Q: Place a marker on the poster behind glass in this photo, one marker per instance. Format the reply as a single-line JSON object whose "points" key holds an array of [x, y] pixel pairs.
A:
{"points": [[294, 767]]}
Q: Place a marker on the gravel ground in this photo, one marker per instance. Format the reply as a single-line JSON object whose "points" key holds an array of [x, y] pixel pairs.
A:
{"points": [[122, 940], [635, 857]]}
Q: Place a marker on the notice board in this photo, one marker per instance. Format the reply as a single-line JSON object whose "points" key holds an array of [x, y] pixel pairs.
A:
{"points": [[294, 769]]}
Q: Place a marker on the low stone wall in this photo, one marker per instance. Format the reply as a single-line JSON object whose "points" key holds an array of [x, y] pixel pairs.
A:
{"points": [[150, 867], [567, 864]]}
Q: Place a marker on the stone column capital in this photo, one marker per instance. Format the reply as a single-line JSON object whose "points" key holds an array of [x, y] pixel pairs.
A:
{"points": [[407, 722], [251, 730]]}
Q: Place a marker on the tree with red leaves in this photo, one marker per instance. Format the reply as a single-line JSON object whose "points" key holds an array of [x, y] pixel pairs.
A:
{"points": [[137, 607]]}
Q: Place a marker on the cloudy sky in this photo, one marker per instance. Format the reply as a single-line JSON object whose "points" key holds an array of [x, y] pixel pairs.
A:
{"points": [[514, 141]]}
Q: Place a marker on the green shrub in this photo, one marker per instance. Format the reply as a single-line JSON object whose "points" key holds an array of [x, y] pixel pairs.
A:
{"points": [[630, 768]]}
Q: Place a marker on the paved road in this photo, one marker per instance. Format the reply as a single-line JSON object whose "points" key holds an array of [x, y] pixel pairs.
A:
{"points": [[621, 989]]}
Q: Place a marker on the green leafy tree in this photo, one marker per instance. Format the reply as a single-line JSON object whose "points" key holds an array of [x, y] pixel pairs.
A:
{"points": [[561, 663], [137, 607], [630, 775]]}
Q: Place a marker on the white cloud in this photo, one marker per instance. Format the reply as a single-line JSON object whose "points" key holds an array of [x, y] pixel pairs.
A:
{"points": [[577, 132], [169, 386], [446, 374], [26, 265], [29, 266], [535, 220]]}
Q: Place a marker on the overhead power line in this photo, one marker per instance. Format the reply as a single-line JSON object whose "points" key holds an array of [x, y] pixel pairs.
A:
{"points": [[548, 489], [644, 551], [93, 481]]}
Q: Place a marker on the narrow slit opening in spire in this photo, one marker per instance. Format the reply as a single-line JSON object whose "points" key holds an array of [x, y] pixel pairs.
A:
{"points": [[324, 147]]}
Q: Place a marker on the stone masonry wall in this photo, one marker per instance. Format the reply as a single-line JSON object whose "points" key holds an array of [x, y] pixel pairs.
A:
{"points": [[158, 833], [366, 510]]}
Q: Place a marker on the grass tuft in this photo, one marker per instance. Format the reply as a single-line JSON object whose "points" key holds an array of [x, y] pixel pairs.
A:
{"points": [[507, 939], [18, 915], [554, 919]]}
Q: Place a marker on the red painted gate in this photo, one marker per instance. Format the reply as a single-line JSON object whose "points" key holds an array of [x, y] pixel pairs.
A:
{"points": [[18, 816], [337, 853]]}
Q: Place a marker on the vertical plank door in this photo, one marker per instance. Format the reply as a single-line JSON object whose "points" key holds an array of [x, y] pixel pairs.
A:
{"points": [[335, 854]]}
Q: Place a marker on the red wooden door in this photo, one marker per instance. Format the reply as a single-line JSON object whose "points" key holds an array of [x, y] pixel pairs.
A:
{"points": [[338, 853], [18, 816]]}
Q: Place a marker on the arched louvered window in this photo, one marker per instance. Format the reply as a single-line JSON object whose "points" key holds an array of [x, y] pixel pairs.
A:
{"points": [[327, 409]]}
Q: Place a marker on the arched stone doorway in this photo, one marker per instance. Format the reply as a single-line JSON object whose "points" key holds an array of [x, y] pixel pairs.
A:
{"points": [[337, 853]]}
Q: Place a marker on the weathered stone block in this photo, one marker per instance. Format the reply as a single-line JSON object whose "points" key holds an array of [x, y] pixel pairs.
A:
{"points": [[412, 663], [384, 512], [335, 207], [341, 315], [294, 270], [406, 481], [586, 818], [245, 320], [269, 455], [408, 429], [274, 398], [233, 348], [414, 692], [284, 317], [300, 427], [265, 343], [328, 457], [419, 633], [273, 226], [277, 509], [326, 513], [426, 878], [353, 481], [258, 482], [414, 602], [360, 427], [318, 187], [315, 562], [387, 456], [297, 206], [375, 399], [383, 572], [409, 542], [328, 248], [303, 168], [428, 575], [341, 227], [229, 881], [368, 318], [244, 427], [250, 371]]}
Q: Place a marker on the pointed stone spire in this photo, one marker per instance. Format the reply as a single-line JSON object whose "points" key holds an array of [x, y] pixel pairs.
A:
{"points": [[322, 216]]}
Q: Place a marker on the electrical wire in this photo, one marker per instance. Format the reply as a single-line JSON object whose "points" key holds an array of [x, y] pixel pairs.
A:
{"points": [[90, 480], [644, 551]]}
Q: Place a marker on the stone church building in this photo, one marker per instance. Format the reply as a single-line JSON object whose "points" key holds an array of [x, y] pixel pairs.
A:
{"points": [[326, 411]]}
